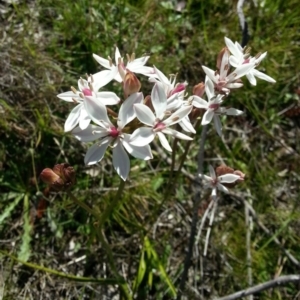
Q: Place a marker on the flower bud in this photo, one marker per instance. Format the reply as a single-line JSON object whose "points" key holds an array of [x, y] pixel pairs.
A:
{"points": [[221, 55], [61, 177], [199, 89], [178, 88], [130, 84], [196, 113]]}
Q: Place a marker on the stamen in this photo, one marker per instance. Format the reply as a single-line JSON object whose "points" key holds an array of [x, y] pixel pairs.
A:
{"points": [[258, 55], [133, 56], [110, 61], [73, 90], [128, 57]]}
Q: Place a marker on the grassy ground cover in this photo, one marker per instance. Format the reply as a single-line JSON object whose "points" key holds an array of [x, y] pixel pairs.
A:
{"points": [[45, 47]]}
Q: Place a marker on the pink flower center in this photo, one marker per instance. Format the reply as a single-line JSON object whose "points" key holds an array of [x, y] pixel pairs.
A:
{"points": [[159, 126], [246, 61], [214, 106], [87, 92], [220, 85], [114, 132]]}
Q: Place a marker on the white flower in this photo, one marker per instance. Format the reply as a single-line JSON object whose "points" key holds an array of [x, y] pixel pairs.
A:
{"points": [[175, 96], [87, 88], [158, 125], [213, 106], [118, 70], [222, 80], [172, 89], [111, 135], [241, 56], [215, 183]]}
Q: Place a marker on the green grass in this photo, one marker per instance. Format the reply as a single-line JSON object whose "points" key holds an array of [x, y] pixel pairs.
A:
{"points": [[48, 46]]}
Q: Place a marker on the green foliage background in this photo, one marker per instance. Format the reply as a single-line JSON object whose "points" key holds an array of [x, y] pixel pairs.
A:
{"points": [[45, 47]]}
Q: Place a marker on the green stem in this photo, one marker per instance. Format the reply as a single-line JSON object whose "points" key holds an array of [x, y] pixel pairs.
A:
{"points": [[108, 211], [101, 220]]}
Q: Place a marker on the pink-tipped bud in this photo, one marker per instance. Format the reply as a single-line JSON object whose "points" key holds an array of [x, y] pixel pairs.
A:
{"points": [[221, 55], [178, 88], [199, 89], [131, 84], [61, 177]]}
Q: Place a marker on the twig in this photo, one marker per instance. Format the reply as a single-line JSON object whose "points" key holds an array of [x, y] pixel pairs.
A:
{"points": [[263, 286], [197, 200]]}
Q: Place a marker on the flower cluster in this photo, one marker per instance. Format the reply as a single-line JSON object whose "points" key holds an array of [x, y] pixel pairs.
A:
{"points": [[137, 120]]}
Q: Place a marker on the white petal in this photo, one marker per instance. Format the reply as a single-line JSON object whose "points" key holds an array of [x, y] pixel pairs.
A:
{"points": [[159, 100], [178, 115], [146, 71], [233, 48], [144, 114], [234, 85], [233, 112], [212, 172], [84, 120], [138, 62], [121, 161], [261, 57], [228, 178], [206, 178], [142, 136], [164, 142], [207, 117], [210, 73], [127, 112], [218, 125], [214, 194], [234, 61], [186, 125], [263, 76], [102, 61], [91, 133], [176, 134], [138, 152], [199, 102], [95, 153], [224, 65], [222, 188], [73, 117], [83, 84], [161, 76], [108, 98], [96, 110], [117, 56], [209, 88], [240, 71], [102, 78], [67, 96], [251, 78]]}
